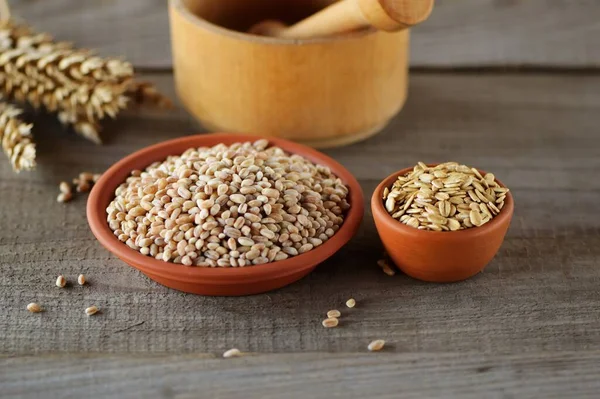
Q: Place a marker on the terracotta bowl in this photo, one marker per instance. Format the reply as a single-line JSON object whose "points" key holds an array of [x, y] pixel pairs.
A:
{"points": [[218, 281], [435, 256]]}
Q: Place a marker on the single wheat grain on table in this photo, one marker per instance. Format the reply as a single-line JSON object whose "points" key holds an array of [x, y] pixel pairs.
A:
{"points": [[61, 281], [376, 345], [446, 197], [234, 352], [330, 322], [34, 308], [92, 310]]}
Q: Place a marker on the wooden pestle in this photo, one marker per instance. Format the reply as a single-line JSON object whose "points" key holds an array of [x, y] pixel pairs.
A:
{"points": [[348, 15]]}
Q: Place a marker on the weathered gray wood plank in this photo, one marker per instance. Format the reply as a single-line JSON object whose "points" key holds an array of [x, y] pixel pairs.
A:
{"points": [[314, 375], [459, 32], [540, 294]]}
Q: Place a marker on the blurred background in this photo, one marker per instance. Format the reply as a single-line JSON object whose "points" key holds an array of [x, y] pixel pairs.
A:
{"points": [[459, 33]]}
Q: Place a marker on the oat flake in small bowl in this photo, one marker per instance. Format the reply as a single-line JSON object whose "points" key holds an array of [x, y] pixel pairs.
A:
{"points": [[228, 206]]}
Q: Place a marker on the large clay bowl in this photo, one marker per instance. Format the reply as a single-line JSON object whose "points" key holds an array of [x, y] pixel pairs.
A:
{"points": [[218, 281]]}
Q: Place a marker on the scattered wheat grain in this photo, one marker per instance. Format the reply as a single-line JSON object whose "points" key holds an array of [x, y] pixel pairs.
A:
{"points": [[91, 310], [376, 345], [64, 187], [61, 281], [330, 322], [64, 197], [232, 353], [86, 176], [34, 308]]}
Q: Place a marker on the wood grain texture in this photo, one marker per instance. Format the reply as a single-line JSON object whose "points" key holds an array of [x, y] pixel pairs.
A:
{"points": [[529, 321], [458, 33], [537, 134], [313, 375]]}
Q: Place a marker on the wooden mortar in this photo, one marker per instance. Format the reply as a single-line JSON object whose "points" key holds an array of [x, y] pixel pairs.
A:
{"points": [[322, 92]]}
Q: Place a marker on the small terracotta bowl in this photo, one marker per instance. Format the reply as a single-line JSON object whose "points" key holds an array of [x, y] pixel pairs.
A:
{"points": [[439, 256], [218, 281]]}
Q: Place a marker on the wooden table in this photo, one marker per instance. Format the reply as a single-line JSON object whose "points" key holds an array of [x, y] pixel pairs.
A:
{"points": [[528, 326]]}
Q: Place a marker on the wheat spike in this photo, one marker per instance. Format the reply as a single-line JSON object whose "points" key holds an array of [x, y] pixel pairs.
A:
{"points": [[16, 139], [79, 86]]}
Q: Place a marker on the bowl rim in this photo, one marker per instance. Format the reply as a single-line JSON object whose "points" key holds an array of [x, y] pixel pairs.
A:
{"points": [[183, 10], [103, 192], [381, 215]]}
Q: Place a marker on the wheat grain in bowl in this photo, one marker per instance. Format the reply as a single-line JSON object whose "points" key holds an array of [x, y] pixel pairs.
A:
{"points": [[446, 197], [228, 206]]}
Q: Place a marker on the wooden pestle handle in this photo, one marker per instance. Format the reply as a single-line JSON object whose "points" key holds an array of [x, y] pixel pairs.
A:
{"points": [[348, 15]]}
